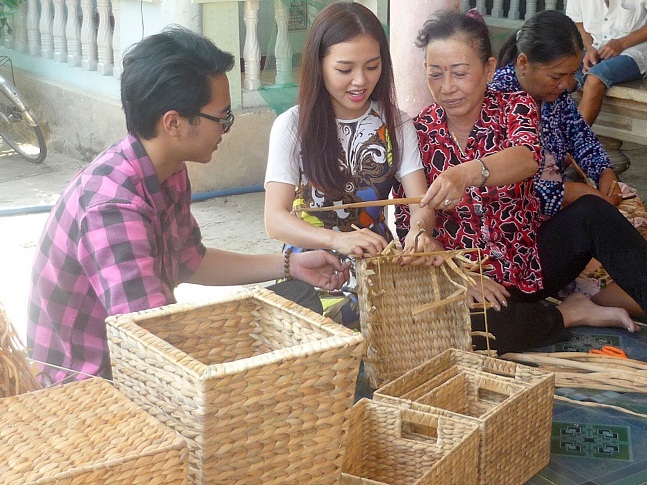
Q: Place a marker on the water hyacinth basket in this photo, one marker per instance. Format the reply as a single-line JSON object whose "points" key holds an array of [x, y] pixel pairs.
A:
{"points": [[396, 446], [511, 403], [17, 375], [86, 432], [259, 386], [409, 314]]}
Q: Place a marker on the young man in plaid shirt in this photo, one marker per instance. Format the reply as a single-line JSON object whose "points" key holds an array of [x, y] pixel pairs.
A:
{"points": [[122, 236]]}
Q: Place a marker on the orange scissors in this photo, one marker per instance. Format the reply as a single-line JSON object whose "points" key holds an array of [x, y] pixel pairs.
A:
{"points": [[609, 351]]}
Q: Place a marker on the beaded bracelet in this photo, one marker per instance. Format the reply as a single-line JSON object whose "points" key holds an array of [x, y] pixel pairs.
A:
{"points": [[286, 263]]}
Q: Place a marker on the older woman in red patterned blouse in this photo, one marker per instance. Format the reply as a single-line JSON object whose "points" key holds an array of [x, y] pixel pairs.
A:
{"points": [[480, 150]]}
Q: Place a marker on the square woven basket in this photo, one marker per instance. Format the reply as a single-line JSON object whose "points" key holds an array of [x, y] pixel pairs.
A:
{"points": [[511, 403], [17, 375], [86, 432], [259, 386], [409, 314], [396, 446]]}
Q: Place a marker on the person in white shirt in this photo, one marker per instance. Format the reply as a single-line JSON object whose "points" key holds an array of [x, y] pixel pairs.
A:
{"points": [[615, 42]]}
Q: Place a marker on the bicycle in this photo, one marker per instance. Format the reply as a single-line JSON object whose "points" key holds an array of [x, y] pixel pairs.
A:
{"points": [[18, 125]]}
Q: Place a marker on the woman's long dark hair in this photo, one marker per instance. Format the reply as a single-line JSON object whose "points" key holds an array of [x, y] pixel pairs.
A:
{"points": [[545, 37], [319, 146]]}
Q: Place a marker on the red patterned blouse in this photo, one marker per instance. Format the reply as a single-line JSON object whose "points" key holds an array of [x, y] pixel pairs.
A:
{"points": [[501, 221]]}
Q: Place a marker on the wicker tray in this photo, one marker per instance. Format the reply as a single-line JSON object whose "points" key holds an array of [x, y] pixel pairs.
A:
{"points": [[86, 432], [511, 403], [409, 314], [395, 446], [259, 386], [16, 374]]}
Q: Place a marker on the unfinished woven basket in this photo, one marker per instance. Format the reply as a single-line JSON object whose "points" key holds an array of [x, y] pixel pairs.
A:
{"points": [[17, 375], [86, 432], [511, 403], [409, 314], [397, 446], [259, 386]]}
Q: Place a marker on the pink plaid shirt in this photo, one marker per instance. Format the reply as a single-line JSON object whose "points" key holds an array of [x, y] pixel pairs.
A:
{"points": [[117, 241]]}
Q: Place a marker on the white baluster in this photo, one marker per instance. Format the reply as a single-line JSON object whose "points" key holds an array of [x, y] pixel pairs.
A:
{"points": [[531, 8], [497, 9], [116, 39], [104, 39], [282, 50], [464, 6], [73, 33], [60, 43], [551, 5], [513, 12], [20, 28], [33, 34], [480, 6], [88, 37], [252, 49], [46, 37]]}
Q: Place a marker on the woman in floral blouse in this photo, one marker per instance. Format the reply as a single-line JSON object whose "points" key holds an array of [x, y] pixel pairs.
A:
{"points": [[542, 59], [480, 150]]}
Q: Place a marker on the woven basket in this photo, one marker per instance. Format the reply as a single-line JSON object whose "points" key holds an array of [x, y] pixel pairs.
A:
{"points": [[259, 386], [16, 374], [86, 432], [395, 446], [409, 314], [511, 403]]}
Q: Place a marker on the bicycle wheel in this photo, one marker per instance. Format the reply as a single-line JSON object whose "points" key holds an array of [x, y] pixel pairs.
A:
{"points": [[18, 126]]}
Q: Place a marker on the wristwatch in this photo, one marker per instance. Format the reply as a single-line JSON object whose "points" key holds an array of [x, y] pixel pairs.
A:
{"points": [[485, 173]]}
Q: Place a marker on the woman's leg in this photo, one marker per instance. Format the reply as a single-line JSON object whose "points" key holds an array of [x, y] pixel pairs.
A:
{"points": [[592, 228]]}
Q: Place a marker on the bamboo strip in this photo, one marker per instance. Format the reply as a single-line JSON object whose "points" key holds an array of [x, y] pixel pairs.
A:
{"points": [[600, 405], [355, 205]]}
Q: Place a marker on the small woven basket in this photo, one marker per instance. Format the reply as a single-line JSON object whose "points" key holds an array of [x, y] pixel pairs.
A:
{"points": [[396, 446], [16, 374], [259, 386], [86, 432], [409, 314], [511, 403]]}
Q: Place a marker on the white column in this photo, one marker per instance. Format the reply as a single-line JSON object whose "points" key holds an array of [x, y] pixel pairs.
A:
{"points": [[252, 49], [531, 8], [551, 4], [33, 33], [104, 39], [513, 12], [497, 9], [20, 27], [465, 5], [116, 39], [46, 37], [58, 31], [73, 33], [181, 12], [88, 37], [407, 17], [282, 50], [481, 7]]}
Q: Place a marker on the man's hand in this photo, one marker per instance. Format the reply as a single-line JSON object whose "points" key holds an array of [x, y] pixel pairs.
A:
{"points": [[611, 49], [319, 268], [591, 58]]}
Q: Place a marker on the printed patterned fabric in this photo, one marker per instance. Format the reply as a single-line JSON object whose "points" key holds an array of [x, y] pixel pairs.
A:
{"points": [[366, 156], [501, 221], [563, 131], [117, 241]]}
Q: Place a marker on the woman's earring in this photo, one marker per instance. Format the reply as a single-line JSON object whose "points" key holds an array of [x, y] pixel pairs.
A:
{"points": [[523, 74]]}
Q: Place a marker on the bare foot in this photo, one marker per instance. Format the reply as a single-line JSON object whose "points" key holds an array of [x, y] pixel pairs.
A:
{"points": [[579, 311]]}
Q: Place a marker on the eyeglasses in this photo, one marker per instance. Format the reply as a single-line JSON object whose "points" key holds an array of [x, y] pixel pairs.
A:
{"points": [[226, 122]]}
